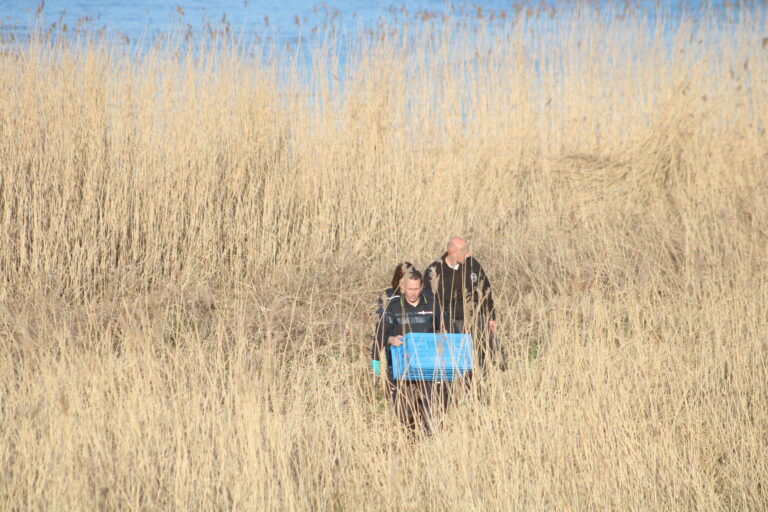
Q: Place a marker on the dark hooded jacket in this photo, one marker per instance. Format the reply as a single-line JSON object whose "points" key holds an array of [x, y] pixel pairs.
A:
{"points": [[399, 318], [462, 291]]}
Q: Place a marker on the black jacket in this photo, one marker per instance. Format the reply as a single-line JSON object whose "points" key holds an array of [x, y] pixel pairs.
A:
{"points": [[381, 304], [400, 318], [383, 301], [455, 290]]}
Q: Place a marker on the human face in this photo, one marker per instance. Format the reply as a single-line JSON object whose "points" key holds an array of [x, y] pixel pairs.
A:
{"points": [[462, 253], [458, 251], [411, 288]]}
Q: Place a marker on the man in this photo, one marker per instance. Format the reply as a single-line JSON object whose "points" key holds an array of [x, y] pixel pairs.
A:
{"points": [[463, 292], [417, 312], [389, 295]]}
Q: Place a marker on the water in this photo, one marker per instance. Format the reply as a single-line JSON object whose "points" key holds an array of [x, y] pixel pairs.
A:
{"points": [[294, 24], [283, 21]]}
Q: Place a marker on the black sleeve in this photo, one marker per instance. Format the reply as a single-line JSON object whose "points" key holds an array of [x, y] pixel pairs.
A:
{"points": [[382, 301], [381, 304], [437, 319], [486, 294], [429, 278], [384, 329]]}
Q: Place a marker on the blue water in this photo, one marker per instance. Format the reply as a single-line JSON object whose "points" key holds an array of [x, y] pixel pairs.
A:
{"points": [[295, 24], [283, 21]]}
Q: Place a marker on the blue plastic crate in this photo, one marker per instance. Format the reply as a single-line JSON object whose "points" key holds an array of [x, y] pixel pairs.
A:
{"points": [[432, 357]]}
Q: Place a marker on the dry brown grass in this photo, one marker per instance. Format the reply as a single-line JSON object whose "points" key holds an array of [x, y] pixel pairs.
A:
{"points": [[190, 250]]}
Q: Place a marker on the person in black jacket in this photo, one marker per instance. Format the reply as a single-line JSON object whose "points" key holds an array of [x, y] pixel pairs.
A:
{"points": [[463, 292], [412, 312], [389, 294]]}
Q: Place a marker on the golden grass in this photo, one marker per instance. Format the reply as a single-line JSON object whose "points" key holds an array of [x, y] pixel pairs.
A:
{"points": [[191, 246]]}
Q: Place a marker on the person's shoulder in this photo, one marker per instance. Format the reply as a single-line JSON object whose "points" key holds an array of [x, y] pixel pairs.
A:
{"points": [[477, 272], [434, 266], [391, 301], [385, 297], [428, 300], [473, 263]]}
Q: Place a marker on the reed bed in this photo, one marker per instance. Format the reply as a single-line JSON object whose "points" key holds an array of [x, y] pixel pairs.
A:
{"points": [[191, 244]]}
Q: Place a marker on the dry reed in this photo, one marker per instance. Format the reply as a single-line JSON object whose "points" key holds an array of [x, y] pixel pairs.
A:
{"points": [[191, 244]]}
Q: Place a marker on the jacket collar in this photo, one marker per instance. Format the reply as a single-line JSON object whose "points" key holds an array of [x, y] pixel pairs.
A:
{"points": [[422, 300], [444, 262]]}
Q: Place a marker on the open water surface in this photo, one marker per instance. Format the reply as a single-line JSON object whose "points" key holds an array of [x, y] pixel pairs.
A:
{"points": [[282, 21]]}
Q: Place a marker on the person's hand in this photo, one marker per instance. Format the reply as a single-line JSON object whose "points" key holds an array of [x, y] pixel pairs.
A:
{"points": [[493, 326], [376, 366], [395, 341]]}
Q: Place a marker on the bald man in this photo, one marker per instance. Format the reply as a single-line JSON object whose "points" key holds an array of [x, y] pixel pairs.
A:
{"points": [[463, 292]]}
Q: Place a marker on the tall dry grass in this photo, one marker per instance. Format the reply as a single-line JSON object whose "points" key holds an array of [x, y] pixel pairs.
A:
{"points": [[191, 244]]}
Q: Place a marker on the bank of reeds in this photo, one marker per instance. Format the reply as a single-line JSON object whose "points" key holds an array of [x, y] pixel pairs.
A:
{"points": [[191, 245]]}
